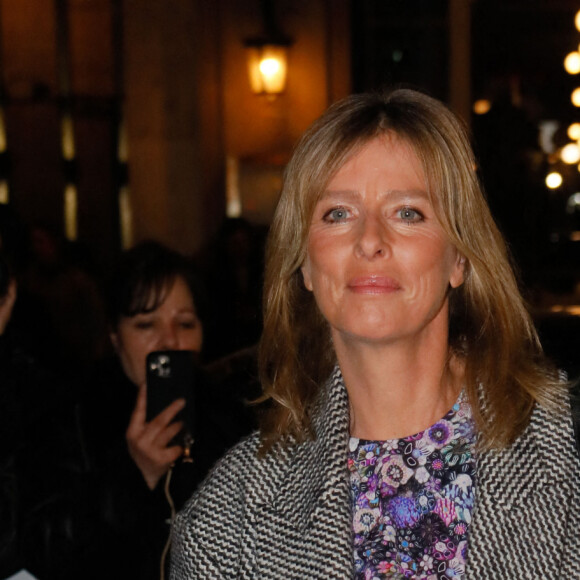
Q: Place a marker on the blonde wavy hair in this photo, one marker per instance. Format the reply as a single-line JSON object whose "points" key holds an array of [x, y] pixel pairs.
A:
{"points": [[489, 325]]}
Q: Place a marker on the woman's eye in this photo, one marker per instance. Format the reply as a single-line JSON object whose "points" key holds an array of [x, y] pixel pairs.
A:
{"points": [[144, 324], [410, 215], [188, 324], [337, 214]]}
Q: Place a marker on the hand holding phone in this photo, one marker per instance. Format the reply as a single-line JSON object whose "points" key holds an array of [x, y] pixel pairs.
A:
{"points": [[171, 376], [163, 416], [148, 441]]}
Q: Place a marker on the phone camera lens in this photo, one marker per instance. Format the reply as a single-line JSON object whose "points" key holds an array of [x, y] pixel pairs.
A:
{"points": [[161, 366]]}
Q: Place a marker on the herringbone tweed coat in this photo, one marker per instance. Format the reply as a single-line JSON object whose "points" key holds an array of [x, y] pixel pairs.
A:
{"points": [[289, 515]]}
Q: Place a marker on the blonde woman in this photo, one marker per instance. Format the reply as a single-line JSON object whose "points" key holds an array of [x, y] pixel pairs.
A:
{"points": [[416, 430]]}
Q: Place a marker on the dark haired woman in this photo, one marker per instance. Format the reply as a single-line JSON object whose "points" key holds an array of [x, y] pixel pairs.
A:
{"points": [[417, 430], [153, 304]]}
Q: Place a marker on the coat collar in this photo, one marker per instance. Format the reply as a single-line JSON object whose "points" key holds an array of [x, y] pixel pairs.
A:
{"points": [[496, 468], [308, 509], [324, 483], [513, 490]]}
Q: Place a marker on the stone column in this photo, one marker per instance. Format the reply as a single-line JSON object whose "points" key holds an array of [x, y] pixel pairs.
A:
{"points": [[172, 113]]}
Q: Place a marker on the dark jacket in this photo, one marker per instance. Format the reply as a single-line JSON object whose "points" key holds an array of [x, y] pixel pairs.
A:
{"points": [[42, 470], [289, 515], [132, 520]]}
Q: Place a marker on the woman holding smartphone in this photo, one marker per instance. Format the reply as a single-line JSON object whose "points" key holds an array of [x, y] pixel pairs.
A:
{"points": [[152, 308], [141, 475]]}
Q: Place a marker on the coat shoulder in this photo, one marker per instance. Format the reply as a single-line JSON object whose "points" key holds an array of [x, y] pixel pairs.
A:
{"points": [[238, 472], [218, 519], [532, 486]]}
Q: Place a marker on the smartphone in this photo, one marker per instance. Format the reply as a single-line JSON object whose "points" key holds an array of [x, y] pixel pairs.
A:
{"points": [[170, 376]]}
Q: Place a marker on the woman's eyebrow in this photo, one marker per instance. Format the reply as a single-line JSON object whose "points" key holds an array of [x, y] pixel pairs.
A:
{"points": [[391, 193], [332, 193], [407, 194]]}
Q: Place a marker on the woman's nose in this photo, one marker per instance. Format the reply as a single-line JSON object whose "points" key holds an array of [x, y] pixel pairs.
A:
{"points": [[169, 338], [373, 238]]}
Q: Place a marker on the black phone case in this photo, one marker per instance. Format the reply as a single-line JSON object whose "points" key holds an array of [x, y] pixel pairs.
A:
{"points": [[170, 376]]}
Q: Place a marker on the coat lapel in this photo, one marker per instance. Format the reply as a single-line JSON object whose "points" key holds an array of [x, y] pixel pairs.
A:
{"points": [[312, 503], [522, 504]]}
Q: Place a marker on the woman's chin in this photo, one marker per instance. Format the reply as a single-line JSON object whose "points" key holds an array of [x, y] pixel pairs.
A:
{"points": [[372, 334]]}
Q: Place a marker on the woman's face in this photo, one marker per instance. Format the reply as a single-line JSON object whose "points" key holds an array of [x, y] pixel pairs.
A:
{"points": [[378, 261], [174, 325]]}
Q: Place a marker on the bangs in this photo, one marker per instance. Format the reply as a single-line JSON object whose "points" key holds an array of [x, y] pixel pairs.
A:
{"points": [[148, 295]]}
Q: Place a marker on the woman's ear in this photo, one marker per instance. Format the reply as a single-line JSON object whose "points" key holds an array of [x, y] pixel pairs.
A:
{"points": [[114, 340], [458, 274], [306, 274]]}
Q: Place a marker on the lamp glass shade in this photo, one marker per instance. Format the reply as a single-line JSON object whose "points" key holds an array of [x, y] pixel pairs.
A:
{"points": [[267, 67]]}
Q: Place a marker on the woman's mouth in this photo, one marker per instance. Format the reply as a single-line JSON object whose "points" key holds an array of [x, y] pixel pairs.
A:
{"points": [[373, 285]]}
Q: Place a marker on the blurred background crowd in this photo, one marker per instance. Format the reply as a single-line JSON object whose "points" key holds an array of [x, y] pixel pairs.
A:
{"points": [[76, 501]]}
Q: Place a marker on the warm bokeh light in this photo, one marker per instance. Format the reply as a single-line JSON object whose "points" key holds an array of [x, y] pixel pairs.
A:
{"points": [[574, 131], [572, 63], [126, 218], [67, 137], [570, 153], [4, 192], [233, 195], [2, 132], [573, 203], [577, 20], [70, 211], [267, 68], [481, 106], [567, 309], [554, 180], [576, 97]]}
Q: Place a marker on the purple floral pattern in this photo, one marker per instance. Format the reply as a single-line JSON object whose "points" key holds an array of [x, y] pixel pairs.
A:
{"points": [[413, 499]]}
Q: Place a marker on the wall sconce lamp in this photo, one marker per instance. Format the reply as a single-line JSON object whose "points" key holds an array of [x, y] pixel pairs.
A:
{"points": [[267, 66], [267, 55]]}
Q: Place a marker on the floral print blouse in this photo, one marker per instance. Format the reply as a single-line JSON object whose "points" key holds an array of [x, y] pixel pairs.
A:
{"points": [[413, 500]]}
